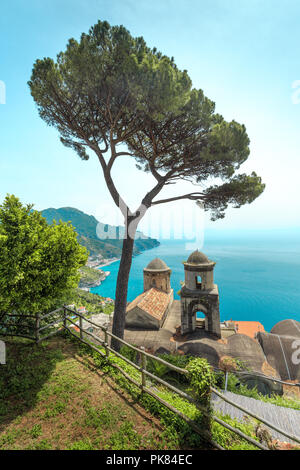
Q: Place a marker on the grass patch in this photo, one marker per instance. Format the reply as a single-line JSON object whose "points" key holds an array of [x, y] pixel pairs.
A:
{"points": [[63, 395], [53, 397], [181, 432]]}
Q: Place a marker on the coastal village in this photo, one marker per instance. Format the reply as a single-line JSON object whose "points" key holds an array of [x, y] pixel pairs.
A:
{"points": [[97, 261], [91, 275]]}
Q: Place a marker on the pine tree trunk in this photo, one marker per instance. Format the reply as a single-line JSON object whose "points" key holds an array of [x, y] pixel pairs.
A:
{"points": [[121, 291]]}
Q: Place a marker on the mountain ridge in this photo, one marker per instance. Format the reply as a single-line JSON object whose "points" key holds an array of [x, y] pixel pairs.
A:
{"points": [[87, 227]]}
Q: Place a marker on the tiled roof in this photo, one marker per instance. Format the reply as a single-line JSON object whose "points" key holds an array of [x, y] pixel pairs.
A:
{"points": [[249, 328], [153, 301]]}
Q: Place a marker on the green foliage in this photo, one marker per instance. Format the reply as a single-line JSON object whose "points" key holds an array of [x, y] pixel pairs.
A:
{"points": [[239, 190], [36, 431], [181, 431], [138, 97], [107, 418], [90, 276], [38, 262], [43, 444], [87, 228], [84, 444], [130, 353], [126, 438], [176, 426], [162, 370], [109, 91], [41, 376], [9, 438], [54, 407], [234, 385], [177, 360], [157, 368], [230, 440], [26, 370], [123, 66], [201, 377], [92, 302]]}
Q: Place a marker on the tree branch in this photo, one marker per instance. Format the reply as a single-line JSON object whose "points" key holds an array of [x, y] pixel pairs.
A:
{"points": [[191, 196]]}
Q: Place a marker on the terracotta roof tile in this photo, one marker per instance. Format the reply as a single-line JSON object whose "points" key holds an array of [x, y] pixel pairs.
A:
{"points": [[249, 328], [153, 301]]}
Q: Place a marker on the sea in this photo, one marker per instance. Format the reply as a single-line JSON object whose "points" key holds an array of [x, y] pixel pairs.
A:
{"points": [[257, 272]]}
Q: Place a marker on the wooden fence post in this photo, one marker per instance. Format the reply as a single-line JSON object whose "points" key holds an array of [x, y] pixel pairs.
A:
{"points": [[144, 367], [226, 380], [80, 327], [106, 343], [37, 328], [64, 318]]}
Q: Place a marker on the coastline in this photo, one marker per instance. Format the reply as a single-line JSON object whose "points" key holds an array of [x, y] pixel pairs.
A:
{"points": [[87, 286], [107, 263]]}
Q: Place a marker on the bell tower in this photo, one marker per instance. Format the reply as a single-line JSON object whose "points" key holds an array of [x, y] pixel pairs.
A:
{"points": [[199, 293], [157, 274]]}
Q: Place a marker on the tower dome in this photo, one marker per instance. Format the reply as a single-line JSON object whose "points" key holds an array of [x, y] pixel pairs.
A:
{"points": [[157, 265], [197, 257], [157, 274]]}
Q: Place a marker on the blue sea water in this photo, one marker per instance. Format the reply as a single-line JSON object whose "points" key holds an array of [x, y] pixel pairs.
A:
{"points": [[258, 273]]}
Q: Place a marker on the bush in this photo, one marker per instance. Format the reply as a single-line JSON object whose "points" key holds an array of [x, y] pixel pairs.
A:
{"points": [[201, 378], [39, 263]]}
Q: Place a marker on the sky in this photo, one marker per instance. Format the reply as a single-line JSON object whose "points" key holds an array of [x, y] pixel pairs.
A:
{"points": [[244, 55]]}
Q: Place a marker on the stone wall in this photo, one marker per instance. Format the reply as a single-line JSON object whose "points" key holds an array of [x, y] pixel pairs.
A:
{"points": [[159, 280]]}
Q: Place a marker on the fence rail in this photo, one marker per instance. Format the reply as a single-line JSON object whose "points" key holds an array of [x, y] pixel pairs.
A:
{"points": [[145, 373], [32, 330], [62, 324], [262, 376]]}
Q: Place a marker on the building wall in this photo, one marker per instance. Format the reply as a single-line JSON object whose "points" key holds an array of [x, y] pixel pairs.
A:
{"points": [[138, 318], [208, 304], [207, 279], [159, 280]]}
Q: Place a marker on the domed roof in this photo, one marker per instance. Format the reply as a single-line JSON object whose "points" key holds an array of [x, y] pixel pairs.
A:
{"points": [[287, 328], [197, 257], [157, 265]]}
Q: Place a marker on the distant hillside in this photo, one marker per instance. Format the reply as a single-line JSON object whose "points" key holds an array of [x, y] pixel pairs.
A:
{"points": [[86, 226]]}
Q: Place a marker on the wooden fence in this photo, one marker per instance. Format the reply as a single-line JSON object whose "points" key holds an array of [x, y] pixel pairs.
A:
{"points": [[240, 373], [63, 321], [34, 327], [144, 373]]}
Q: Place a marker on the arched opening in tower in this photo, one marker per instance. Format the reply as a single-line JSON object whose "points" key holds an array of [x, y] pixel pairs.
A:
{"points": [[200, 319], [198, 282]]}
